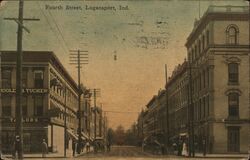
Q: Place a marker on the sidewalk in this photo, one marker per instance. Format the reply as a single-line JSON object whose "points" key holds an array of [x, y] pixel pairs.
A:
{"points": [[69, 154], [200, 155]]}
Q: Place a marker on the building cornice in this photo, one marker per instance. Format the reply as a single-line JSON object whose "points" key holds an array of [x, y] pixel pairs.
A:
{"points": [[215, 16]]}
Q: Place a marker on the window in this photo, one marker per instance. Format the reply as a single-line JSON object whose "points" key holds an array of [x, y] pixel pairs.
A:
{"points": [[207, 38], [193, 55], [203, 42], [232, 37], [233, 105], [232, 34], [199, 47], [204, 79], [208, 109], [6, 78], [38, 77], [204, 107], [196, 52], [38, 105], [24, 78], [233, 139], [233, 75], [6, 105], [24, 105]]}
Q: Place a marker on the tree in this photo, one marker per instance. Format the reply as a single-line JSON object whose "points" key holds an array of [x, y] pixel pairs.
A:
{"points": [[119, 135]]}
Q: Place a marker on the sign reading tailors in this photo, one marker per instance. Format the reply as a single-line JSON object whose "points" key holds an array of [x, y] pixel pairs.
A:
{"points": [[29, 91]]}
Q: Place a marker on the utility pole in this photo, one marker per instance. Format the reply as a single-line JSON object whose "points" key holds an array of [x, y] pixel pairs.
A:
{"points": [[78, 58], [65, 118], [19, 61], [167, 111], [0, 101], [96, 92], [191, 111]]}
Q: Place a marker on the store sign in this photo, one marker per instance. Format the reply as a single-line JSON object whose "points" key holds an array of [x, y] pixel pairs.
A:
{"points": [[26, 90]]}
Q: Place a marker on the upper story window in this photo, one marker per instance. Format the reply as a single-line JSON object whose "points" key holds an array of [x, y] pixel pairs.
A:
{"points": [[24, 78], [203, 42], [232, 34], [38, 79], [24, 106], [38, 105], [6, 78], [6, 106], [199, 47], [233, 105], [233, 72], [207, 36]]}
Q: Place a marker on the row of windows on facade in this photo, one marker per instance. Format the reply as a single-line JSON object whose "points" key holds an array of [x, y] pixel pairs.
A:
{"points": [[231, 39], [202, 80], [7, 76], [38, 105], [202, 107]]}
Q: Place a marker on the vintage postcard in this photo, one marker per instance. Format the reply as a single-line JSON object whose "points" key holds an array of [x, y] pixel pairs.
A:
{"points": [[124, 79]]}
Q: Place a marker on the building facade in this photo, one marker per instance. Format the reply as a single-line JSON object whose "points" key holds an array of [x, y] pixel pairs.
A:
{"points": [[177, 96], [218, 53], [48, 93]]}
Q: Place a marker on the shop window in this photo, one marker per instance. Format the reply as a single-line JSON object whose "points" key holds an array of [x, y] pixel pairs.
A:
{"points": [[6, 78]]}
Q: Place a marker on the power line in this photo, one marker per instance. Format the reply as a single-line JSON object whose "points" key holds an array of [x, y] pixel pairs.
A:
{"points": [[51, 28], [121, 112]]}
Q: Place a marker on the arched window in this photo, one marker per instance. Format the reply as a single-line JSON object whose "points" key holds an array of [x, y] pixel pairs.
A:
{"points": [[233, 72], [233, 104], [232, 34]]}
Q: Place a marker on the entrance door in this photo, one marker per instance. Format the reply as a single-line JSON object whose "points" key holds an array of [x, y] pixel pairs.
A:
{"points": [[233, 139]]}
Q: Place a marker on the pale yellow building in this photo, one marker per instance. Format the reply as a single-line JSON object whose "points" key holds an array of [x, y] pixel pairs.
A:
{"points": [[218, 50]]}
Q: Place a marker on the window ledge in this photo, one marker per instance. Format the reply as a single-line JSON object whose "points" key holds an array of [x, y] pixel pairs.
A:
{"points": [[233, 83]]}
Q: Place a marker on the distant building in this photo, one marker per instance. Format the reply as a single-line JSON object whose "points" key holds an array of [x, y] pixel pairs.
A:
{"points": [[218, 51], [177, 97], [44, 81], [153, 119]]}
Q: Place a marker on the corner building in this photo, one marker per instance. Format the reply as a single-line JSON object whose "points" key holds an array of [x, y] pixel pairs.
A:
{"points": [[47, 90], [218, 51]]}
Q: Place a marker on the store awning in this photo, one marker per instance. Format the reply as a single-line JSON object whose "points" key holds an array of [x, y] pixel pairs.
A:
{"points": [[85, 136], [183, 134], [72, 134]]}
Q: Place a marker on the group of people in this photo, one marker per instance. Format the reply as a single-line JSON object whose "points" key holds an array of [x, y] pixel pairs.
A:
{"points": [[96, 146]]}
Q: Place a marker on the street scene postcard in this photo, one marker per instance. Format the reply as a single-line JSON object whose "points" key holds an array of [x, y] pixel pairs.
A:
{"points": [[125, 79]]}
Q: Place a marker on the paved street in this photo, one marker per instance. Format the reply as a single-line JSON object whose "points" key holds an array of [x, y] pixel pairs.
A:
{"points": [[130, 153]]}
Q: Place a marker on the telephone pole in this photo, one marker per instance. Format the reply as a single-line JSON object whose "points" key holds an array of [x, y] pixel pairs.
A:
{"points": [[78, 58], [19, 61], [96, 93], [167, 111]]}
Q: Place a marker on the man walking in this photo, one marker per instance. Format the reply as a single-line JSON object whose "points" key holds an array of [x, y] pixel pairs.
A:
{"points": [[44, 148], [73, 147]]}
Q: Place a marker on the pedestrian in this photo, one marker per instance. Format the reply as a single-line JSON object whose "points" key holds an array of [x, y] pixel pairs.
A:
{"points": [[184, 150], [204, 147], [143, 146], [73, 147], [108, 146], [179, 148], [162, 149], [87, 147], [44, 148]]}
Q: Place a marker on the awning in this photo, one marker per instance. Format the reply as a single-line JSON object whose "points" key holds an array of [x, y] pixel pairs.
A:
{"points": [[85, 136], [72, 134], [183, 134]]}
